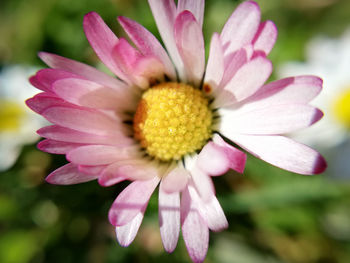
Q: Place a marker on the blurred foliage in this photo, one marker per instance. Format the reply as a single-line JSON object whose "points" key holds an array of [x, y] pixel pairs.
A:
{"points": [[274, 216]]}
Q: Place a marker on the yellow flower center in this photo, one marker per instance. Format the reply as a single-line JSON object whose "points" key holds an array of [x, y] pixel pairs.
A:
{"points": [[10, 116], [172, 120], [341, 108]]}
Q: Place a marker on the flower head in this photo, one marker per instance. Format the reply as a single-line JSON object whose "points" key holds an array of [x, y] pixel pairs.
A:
{"points": [[166, 119]]}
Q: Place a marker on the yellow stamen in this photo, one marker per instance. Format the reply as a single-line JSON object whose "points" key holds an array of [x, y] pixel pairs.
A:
{"points": [[172, 120], [341, 108]]}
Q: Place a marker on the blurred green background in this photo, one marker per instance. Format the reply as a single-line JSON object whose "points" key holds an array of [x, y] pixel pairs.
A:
{"points": [[274, 216]]}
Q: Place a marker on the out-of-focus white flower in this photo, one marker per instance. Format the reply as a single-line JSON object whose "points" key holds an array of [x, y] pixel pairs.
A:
{"points": [[330, 59], [16, 121]]}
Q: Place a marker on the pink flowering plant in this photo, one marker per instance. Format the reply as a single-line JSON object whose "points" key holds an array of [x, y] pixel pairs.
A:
{"points": [[168, 116]]}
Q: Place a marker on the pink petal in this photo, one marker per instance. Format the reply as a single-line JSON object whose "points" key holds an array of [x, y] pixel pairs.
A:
{"points": [[126, 55], [91, 94], [68, 174], [196, 7], [103, 41], [110, 177], [147, 44], [249, 78], [59, 133], [215, 66], [93, 170], [217, 157], [210, 211], [35, 82], [194, 229], [99, 154], [81, 69], [282, 152], [148, 68], [301, 89], [275, 119], [138, 169], [132, 201], [266, 36], [233, 63], [140, 69], [130, 169], [83, 120], [40, 102], [127, 233], [164, 13], [242, 26], [169, 218], [203, 183], [57, 147], [190, 43], [175, 180], [46, 77]]}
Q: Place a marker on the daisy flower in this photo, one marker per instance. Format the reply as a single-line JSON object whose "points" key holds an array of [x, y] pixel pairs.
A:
{"points": [[168, 116], [17, 122], [330, 58]]}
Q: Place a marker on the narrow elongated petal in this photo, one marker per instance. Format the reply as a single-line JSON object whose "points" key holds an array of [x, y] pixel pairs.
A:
{"points": [[81, 69], [233, 62], [131, 168], [109, 176], [131, 201], [42, 101], [35, 82], [195, 231], [175, 180], [203, 183], [265, 38], [249, 78], [241, 27], [275, 119], [282, 152], [147, 44], [215, 67], [190, 43], [46, 77], [57, 147], [126, 55], [91, 94], [210, 211], [126, 234], [196, 7], [164, 13], [301, 89], [103, 41], [169, 218], [99, 154], [217, 157], [82, 120], [139, 68], [59, 133], [68, 174], [90, 169]]}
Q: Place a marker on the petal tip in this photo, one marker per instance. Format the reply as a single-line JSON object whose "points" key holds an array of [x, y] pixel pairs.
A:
{"points": [[89, 19], [41, 145], [42, 54], [320, 165], [48, 179], [243, 161], [317, 116]]}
